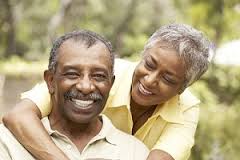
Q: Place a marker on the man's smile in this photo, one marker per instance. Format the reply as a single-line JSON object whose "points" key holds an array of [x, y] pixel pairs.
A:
{"points": [[82, 103]]}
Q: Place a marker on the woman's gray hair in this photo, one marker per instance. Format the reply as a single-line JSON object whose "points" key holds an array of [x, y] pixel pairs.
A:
{"points": [[190, 44]]}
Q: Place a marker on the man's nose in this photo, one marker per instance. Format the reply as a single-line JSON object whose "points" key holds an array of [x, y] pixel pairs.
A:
{"points": [[85, 85]]}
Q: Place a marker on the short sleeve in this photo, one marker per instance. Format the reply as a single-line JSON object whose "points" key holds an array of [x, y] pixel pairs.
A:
{"points": [[40, 96], [178, 139], [140, 151], [3, 152]]}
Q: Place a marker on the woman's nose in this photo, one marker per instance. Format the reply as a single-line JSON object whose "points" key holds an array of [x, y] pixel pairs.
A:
{"points": [[151, 79]]}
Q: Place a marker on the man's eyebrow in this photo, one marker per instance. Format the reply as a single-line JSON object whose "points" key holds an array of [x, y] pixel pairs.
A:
{"points": [[69, 67], [100, 69]]}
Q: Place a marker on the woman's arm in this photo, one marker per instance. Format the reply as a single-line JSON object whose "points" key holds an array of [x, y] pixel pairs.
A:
{"points": [[24, 122]]}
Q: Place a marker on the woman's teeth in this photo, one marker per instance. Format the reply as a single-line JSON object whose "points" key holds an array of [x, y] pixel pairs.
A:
{"points": [[143, 90]]}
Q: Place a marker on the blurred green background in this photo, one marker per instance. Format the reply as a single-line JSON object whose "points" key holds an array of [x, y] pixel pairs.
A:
{"points": [[28, 27]]}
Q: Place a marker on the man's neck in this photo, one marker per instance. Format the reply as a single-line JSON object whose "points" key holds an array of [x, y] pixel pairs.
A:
{"points": [[79, 134]]}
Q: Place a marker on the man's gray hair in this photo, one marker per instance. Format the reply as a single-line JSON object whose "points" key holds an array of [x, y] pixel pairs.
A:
{"points": [[190, 44], [88, 38]]}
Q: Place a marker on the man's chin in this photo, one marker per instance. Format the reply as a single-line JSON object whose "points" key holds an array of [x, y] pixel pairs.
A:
{"points": [[80, 120]]}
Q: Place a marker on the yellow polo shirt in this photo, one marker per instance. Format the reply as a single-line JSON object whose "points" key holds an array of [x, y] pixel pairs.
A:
{"points": [[171, 128]]}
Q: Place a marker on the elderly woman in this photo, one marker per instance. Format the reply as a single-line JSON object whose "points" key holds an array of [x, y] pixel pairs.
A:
{"points": [[149, 99]]}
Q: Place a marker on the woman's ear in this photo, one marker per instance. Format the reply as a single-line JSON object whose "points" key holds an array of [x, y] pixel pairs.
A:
{"points": [[49, 79]]}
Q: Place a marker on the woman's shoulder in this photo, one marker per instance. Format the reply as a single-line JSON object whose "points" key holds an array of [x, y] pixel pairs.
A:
{"points": [[188, 100], [122, 65]]}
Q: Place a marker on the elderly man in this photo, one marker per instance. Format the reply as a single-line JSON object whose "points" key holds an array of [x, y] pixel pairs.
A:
{"points": [[79, 78]]}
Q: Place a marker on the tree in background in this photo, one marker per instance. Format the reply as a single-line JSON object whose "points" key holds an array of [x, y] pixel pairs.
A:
{"points": [[218, 18], [126, 23], [8, 28]]}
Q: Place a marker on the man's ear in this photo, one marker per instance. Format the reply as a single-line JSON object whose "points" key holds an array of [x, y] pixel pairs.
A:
{"points": [[49, 79], [113, 79]]}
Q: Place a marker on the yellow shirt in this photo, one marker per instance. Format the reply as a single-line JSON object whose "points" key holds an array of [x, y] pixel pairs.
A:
{"points": [[171, 128]]}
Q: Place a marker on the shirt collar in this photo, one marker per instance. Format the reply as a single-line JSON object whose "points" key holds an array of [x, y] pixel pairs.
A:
{"points": [[170, 111], [105, 132], [47, 126], [173, 110]]}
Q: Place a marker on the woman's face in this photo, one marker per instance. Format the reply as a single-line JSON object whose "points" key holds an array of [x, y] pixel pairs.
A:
{"points": [[158, 77]]}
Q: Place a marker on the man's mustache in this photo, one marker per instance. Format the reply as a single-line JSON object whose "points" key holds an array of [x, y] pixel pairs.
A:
{"points": [[74, 94]]}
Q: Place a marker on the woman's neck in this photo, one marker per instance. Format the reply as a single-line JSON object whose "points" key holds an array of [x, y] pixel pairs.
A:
{"points": [[138, 109], [140, 114]]}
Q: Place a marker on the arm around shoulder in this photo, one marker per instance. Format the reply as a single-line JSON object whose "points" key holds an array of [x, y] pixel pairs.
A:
{"points": [[25, 124]]}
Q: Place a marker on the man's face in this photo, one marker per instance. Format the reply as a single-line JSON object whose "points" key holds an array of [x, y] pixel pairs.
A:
{"points": [[158, 77], [82, 81]]}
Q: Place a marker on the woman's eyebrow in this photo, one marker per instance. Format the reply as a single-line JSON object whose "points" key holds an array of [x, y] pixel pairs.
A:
{"points": [[153, 59]]}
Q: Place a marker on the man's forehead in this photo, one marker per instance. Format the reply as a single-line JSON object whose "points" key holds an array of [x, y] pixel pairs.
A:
{"points": [[72, 52], [76, 42], [83, 44]]}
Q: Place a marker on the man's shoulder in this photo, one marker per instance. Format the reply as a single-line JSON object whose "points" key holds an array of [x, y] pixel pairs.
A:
{"points": [[131, 146], [127, 143], [4, 151], [4, 131], [121, 137], [6, 137], [10, 148]]}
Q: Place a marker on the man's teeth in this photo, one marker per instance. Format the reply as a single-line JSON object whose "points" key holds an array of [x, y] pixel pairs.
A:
{"points": [[82, 103], [143, 90]]}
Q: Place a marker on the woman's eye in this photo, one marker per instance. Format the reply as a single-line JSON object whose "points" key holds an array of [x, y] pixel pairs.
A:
{"points": [[149, 65], [169, 80]]}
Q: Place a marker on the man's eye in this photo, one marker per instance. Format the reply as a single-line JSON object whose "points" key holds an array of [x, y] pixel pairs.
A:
{"points": [[71, 75], [99, 77]]}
